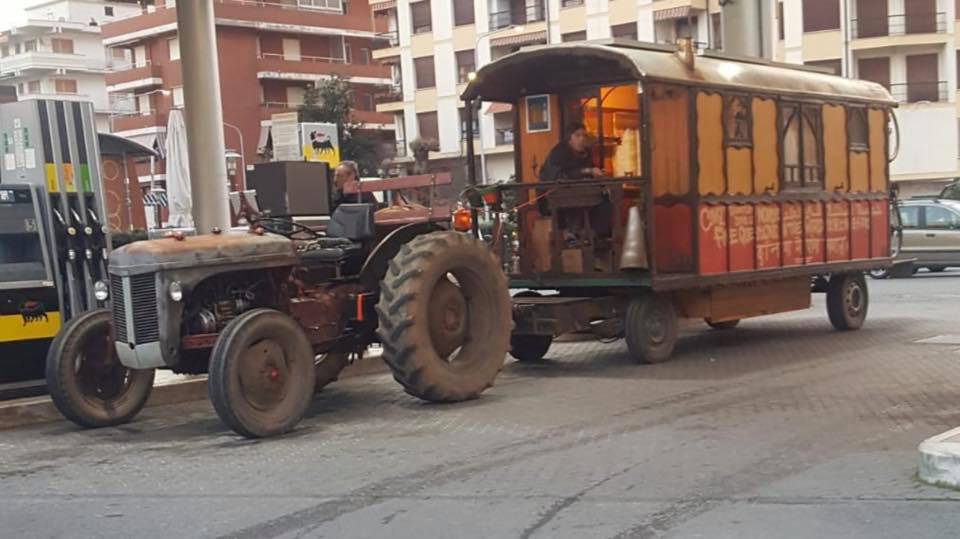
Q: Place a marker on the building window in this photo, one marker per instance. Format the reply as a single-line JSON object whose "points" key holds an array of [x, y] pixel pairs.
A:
{"points": [[347, 53], [571, 3], [625, 31], [143, 104], [474, 119], [717, 21], [364, 56], [65, 86], [177, 94], [290, 49], [62, 46], [295, 95], [321, 4], [424, 73], [20, 89], [462, 12], [365, 102], [858, 139], [33, 87], [802, 136], [420, 17], [819, 15], [466, 64], [108, 11], [538, 113], [30, 46], [173, 45], [427, 125], [736, 121], [4, 51], [573, 36]]}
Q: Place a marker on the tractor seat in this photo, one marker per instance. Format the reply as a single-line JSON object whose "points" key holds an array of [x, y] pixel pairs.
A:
{"points": [[350, 226]]}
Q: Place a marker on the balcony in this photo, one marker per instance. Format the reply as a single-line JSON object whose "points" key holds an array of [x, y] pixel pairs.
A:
{"points": [[44, 61], [517, 16], [390, 93], [899, 25], [386, 40], [127, 77], [138, 120], [913, 92], [306, 68], [272, 15]]}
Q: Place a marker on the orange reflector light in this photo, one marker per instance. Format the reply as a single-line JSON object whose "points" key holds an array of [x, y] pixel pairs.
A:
{"points": [[462, 220], [360, 307]]}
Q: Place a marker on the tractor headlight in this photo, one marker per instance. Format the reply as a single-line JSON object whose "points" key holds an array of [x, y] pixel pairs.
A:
{"points": [[176, 291], [100, 291]]}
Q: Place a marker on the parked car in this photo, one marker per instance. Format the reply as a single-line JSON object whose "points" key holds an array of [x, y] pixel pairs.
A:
{"points": [[931, 234]]}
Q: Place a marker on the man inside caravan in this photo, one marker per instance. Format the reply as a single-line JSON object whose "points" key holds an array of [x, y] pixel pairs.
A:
{"points": [[570, 159]]}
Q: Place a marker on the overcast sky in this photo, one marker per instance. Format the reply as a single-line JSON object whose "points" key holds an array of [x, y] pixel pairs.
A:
{"points": [[10, 11]]}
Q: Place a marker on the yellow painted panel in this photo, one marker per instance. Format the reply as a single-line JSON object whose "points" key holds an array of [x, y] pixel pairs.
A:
{"points": [[835, 148], [13, 328], [766, 161], [859, 172], [878, 150], [710, 143], [670, 144], [739, 171]]}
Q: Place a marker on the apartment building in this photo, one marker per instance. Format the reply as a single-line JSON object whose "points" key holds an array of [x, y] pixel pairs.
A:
{"points": [[432, 46], [54, 50], [269, 52], [910, 47]]}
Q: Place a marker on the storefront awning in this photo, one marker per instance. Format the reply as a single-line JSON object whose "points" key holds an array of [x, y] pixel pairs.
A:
{"points": [[681, 12], [521, 39], [155, 199]]}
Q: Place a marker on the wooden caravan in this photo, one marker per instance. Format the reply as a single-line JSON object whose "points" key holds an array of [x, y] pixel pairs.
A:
{"points": [[728, 184]]}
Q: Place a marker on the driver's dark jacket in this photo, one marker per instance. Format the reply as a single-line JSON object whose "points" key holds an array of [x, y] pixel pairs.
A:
{"points": [[340, 197], [562, 163]]}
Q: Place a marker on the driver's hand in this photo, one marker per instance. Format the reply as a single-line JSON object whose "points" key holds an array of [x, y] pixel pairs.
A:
{"points": [[598, 172]]}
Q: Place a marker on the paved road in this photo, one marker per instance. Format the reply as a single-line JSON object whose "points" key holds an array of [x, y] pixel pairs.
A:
{"points": [[782, 428]]}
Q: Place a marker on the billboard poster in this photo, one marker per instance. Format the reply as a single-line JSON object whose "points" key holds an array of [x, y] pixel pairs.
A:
{"points": [[320, 143], [285, 139]]}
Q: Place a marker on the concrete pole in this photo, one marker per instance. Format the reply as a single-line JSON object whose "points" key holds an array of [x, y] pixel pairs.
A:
{"points": [[746, 28], [203, 115]]}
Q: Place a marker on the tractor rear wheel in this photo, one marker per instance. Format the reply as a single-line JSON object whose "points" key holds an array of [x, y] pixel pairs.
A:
{"points": [[262, 375], [444, 317], [86, 380]]}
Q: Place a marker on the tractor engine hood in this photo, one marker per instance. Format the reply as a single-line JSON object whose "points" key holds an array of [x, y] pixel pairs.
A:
{"points": [[194, 252]]}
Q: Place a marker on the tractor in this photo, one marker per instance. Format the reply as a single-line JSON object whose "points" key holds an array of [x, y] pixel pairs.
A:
{"points": [[273, 314]]}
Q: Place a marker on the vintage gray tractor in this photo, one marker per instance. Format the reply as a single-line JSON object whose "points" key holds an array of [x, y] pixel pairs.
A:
{"points": [[275, 314]]}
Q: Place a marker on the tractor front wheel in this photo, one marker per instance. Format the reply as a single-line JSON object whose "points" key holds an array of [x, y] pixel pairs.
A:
{"points": [[86, 380], [444, 317], [262, 374]]}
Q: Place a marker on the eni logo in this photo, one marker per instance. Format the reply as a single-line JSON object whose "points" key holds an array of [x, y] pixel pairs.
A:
{"points": [[33, 311]]}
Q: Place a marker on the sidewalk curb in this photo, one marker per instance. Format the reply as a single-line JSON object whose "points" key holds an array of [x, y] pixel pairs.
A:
{"points": [[940, 459], [35, 410]]}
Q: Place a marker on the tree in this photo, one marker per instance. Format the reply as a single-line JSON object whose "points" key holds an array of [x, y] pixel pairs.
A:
{"points": [[330, 101]]}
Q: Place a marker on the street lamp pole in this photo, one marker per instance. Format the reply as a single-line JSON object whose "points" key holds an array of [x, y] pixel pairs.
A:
{"points": [[476, 65]]}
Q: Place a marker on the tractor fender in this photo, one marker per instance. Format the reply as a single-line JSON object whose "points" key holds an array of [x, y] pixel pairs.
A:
{"points": [[375, 267]]}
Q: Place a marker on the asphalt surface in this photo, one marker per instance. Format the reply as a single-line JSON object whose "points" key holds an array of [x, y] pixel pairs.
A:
{"points": [[780, 428]]}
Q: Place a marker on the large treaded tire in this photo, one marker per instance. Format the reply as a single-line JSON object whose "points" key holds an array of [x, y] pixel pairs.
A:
{"points": [[81, 395], [650, 327], [405, 294], [238, 368], [847, 301]]}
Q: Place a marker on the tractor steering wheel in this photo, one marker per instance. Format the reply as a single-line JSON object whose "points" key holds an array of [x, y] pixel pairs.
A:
{"points": [[287, 228]]}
